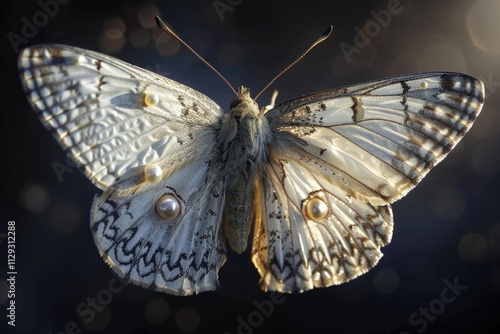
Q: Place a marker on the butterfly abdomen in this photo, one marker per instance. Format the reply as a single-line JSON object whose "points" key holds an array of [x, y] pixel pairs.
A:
{"points": [[237, 219]]}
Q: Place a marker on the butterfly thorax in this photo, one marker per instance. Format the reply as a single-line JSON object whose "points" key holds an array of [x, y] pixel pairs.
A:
{"points": [[243, 138]]}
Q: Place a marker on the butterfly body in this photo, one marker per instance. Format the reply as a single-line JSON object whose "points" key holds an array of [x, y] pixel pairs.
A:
{"points": [[243, 139], [314, 177]]}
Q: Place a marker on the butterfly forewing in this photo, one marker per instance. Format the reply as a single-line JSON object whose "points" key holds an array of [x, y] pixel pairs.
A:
{"points": [[379, 139], [115, 118]]}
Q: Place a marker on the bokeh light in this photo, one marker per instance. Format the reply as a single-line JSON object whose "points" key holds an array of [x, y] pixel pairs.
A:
{"points": [[157, 311], [441, 54], [450, 204], [112, 39], [386, 280], [472, 247], [64, 217], [146, 16], [35, 198], [482, 23], [187, 319], [100, 320], [494, 238], [140, 37]]}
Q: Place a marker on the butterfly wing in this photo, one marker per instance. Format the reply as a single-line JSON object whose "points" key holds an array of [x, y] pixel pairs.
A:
{"points": [[356, 149], [293, 252], [181, 256], [379, 139], [114, 119]]}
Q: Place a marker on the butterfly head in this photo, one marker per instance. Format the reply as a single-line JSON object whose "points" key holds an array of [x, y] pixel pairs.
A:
{"points": [[244, 105]]}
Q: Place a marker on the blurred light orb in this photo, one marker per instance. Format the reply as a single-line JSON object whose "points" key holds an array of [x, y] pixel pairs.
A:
{"points": [[482, 24], [64, 217], [443, 55], [112, 39], [494, 238], [472, 247], [166, 45], [450, 204], [146, 16], [114, 28], [35, 198], [386, 281], [140, 37], [187, 319], [157, 311]]}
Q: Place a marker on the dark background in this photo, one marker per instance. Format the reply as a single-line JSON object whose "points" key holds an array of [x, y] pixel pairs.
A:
{"points": [[447, 230]]}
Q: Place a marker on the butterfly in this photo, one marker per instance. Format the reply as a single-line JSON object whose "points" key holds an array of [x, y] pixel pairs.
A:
{"points": [[182, 180]]}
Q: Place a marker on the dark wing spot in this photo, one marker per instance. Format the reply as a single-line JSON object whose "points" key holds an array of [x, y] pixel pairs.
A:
{"points": [[447, 82], [405, 87]]}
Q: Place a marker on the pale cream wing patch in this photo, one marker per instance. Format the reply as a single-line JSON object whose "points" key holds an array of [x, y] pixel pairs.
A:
{"points": [[294, 253]]}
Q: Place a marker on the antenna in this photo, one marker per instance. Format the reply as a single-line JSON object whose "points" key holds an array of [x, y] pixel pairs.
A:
{"points": [[169, 31], [323, 36]]}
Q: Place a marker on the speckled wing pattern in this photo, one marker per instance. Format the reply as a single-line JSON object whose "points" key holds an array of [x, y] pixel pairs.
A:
{"points": [[358, 149], [114, 119]]}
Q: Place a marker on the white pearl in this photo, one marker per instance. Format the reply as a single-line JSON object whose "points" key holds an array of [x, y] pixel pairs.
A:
{"points": [[151, 99], [423, 84], [77, 60], [153, 173], [316, 209], [168, 207]]}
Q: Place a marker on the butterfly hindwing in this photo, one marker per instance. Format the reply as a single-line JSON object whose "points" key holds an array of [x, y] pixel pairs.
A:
{"points": [[181, 256], [293, 252]]}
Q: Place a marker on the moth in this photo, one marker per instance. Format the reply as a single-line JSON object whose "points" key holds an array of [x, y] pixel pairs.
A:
{"points": [[182, 179]]}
